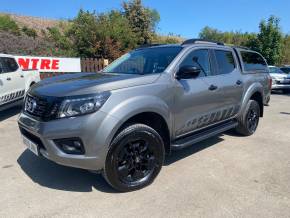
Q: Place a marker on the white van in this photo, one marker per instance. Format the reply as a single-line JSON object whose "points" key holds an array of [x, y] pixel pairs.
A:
{"points": [[14, 82]]}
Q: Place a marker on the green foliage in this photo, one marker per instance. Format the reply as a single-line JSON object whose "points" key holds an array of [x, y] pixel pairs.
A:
{"points": [[116, 35], [29, 32], [169, 39], [270, 40], [232, 38], [286, 51], [211, 34], [142, 20], [62, 43], [105, 35], [84, 34], [9, 25]]}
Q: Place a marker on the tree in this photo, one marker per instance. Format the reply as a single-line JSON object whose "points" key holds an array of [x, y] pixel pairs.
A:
{"points": [[83, 33], [233, 38], [286, 51], [270, 40], [142, 20], [62, 42], [211, 34], [168, 39], [115, 34]]}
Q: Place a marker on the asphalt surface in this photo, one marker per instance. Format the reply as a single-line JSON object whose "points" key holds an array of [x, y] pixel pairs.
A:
{"points": [[225, 176]]}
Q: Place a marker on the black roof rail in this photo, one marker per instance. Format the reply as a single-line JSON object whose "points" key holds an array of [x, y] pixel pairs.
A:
{"points": [[193, 41]]}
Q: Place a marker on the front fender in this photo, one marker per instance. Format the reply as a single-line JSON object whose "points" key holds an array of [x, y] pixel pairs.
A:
{"points": [[127, 109]]}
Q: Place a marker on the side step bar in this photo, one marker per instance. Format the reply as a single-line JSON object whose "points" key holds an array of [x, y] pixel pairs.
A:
{"points": [[203, 134]]}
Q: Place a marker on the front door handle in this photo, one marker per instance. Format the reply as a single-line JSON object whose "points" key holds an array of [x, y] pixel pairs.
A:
{"points": [[239, 82], [8, 78], [212, 87]]}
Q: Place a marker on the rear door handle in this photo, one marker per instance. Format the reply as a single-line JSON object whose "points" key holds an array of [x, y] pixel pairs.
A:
{"points": [[212, 87], [8, 78], [239, 82], [21, 76]]}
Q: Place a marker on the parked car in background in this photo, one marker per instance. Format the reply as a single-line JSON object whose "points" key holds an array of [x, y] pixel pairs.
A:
{"points": [[123, 120], [285, 69], [280, 80], [14, 82]]}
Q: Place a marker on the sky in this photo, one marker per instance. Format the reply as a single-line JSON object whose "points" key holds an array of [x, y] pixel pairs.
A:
{"points": [[181, 17]]}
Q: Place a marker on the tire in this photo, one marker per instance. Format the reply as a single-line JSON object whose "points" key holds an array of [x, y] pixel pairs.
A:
{"points": [[135, 158], [249, 121]]}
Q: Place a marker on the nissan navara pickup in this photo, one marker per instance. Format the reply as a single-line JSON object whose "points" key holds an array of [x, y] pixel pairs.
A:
{"points": [[155, 99]]}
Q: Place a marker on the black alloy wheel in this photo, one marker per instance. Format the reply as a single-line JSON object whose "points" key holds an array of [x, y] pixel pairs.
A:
{"points": [[135, 158], [249, 120], [136, 161], [252, 119]]}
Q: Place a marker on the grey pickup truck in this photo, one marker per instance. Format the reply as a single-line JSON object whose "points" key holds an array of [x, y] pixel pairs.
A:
{"points": [[123, 120]]}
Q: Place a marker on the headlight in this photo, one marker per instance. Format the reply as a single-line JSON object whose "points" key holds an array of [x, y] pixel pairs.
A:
{"points": [[81, 105]]}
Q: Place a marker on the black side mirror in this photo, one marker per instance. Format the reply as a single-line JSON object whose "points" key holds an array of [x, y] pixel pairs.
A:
{"points": [[188, 72]]}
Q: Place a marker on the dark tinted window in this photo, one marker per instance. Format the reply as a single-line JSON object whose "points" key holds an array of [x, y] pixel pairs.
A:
{"points": [[200, 59], [1, 68], [144, 61], [253, 61], [286, 69], [225, 61], [8, 64]]}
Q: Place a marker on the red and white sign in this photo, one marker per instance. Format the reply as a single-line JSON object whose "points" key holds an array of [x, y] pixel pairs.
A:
{"points": [[49, 64]]}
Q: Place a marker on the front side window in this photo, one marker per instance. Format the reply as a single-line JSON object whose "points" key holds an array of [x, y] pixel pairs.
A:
{"points": [[286, 69], [225, 61], [8, 64], [200, 59], [253, 61], [144, 61]]}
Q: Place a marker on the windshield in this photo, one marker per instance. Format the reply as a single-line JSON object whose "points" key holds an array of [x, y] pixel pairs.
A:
{"points": [[276, 70], [144, 61]]}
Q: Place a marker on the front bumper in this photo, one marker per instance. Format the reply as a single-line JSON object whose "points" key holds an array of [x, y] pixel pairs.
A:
{"points": [[95, 130], [280, 86]]}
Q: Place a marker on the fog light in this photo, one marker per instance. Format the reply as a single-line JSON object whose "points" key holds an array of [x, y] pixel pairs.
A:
{"points": [[70, 145]]}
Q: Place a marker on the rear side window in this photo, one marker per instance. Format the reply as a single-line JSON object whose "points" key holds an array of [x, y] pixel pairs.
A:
{"points": [[253, 61], [225, 61], [8, 64]]}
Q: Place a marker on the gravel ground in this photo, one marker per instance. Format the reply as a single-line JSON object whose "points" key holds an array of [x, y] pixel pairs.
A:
{"points": [[225, 176]]}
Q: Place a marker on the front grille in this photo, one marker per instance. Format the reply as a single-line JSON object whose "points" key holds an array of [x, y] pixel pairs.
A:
{"points": [[284, 82], [41, 108]]}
